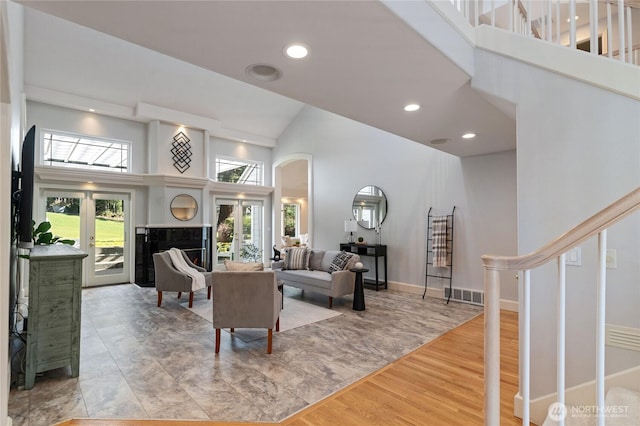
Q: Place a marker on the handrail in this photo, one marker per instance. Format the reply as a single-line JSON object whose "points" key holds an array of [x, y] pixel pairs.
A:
{"points": [[590, 227]]}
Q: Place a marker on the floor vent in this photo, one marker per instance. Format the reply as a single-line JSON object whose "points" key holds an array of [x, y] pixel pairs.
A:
{"points": [[464, 295], [622, 337]]}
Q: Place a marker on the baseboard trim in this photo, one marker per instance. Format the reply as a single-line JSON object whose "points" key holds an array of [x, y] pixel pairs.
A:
{"points": [[583, 394], [414, 289], [509, 305], [438, 293]]}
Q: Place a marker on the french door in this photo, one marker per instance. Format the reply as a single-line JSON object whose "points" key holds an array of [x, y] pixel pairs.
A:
{"points": [[239, 230], [99, 224], [108, 245]]}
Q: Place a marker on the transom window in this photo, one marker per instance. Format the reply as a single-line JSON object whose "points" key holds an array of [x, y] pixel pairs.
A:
{"points": [[84, 152], [238, 171]]}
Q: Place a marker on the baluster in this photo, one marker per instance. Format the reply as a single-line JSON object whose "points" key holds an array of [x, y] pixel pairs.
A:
{"points": [[609, 32], [511, 17], [560, 360], [629, 31], [572, 21], [476, 13], [600, 336], [593, 23], [493, 14], [549, 21], [558, 34], [526, 348], [621, 30], [543, 27], [528, 23]]}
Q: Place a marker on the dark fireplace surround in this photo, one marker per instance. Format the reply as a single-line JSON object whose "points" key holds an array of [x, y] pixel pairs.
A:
{"points": [[195, 241]]}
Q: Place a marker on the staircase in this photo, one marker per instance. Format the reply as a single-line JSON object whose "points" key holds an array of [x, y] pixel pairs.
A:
{"points": [[593, 42], [621, 404]]}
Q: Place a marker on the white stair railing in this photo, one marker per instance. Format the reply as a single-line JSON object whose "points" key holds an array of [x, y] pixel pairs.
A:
{"points": [[555, 250], [563, 21]]}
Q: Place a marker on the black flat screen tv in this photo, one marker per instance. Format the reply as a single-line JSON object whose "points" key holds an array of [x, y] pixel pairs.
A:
{"points": [[23, 197]]}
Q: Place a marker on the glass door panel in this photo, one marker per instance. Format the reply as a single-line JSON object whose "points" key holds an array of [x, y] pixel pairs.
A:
{"points": [[107, 235], [251, 249], [239, 231], [63, 213], [225, 231]]}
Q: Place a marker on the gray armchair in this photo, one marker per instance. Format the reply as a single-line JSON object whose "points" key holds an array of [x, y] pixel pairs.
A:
{"points": [[168, 278], [246, 300]]}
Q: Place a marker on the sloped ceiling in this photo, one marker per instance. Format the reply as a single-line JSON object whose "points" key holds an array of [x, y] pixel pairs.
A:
{"points": [[365, 64]]}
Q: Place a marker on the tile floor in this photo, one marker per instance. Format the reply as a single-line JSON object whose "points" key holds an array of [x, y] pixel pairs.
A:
{"points": [[141, 361]]}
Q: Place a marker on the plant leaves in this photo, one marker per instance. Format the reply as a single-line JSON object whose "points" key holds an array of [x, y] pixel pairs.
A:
{"points": [[45, 238], [42, 228]]}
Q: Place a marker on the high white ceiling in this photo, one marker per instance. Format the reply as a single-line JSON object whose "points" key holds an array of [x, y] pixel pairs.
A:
{"points": [[365, 64]]}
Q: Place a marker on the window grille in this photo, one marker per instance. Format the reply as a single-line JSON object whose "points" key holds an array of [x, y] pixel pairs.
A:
{"points": [[239, 171], [82, 152]]}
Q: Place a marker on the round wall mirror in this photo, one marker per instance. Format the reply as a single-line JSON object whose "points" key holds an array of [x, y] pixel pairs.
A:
{"points": [[370, 207], [184, 207]]}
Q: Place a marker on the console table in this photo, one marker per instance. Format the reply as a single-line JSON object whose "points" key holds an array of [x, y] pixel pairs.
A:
{"points": [[377, 251]]}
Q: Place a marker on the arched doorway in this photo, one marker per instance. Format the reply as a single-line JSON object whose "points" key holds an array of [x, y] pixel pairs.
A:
{"points": [[292, 197]]}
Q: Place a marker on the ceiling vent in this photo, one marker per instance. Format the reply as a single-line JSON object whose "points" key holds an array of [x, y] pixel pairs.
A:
{"points": [[263, 72]]}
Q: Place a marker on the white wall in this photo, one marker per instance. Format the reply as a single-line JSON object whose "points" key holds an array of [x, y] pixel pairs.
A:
{"points": [[348, 155], [577, 152]]}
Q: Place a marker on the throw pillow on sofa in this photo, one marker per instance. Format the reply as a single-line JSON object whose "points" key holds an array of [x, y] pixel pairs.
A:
{"points": [[243, 266], [340, 261], [315, 260], [296, 258]]}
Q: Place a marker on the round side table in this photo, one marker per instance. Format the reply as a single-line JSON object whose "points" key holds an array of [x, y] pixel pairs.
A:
{"points": [[358, 291]]}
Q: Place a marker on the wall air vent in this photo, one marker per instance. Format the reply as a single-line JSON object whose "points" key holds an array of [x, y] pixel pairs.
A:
{"points": [[464, 295], [622, 337]]}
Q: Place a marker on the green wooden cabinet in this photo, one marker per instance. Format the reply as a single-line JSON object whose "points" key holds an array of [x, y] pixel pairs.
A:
{"points": [[55, 293]]}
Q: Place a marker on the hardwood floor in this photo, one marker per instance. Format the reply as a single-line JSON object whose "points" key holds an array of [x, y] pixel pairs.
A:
{"points": [[440, 383]]}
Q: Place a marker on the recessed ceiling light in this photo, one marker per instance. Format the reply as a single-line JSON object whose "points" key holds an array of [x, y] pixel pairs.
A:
{"points": [[411, 107], [92, 110], [263, 72], [468, 136], [296, 51]]}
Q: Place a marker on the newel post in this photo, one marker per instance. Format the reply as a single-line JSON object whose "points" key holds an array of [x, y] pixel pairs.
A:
{"points": [[491, 346]]}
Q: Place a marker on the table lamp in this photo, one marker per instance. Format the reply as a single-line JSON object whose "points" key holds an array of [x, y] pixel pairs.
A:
{"points": [[350, 226]]}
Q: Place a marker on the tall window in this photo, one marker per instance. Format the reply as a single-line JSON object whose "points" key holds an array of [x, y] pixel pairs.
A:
{"points": [[84, 152], [238, 171], [290, 219]]}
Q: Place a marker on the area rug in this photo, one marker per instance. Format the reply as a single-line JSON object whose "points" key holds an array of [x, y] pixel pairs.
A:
{"points": [[295, 314]]}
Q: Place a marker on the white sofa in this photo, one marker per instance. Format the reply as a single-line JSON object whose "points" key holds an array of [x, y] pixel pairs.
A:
{"points": [[317, 275]]}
